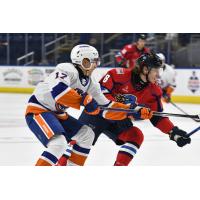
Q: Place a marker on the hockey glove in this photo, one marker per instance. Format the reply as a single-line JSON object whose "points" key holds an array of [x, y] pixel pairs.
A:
{"points": [[167, 92], [91, 106], [120, 60], [179, 136], [127, 99], [143, 113]]}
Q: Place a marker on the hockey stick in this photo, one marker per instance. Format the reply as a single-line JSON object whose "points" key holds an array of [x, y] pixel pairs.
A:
{"points": [[161, 114], [194, 131], [182, 110]]}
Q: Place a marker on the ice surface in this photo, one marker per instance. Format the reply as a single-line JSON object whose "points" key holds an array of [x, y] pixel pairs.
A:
{"points": [[18, 145]]}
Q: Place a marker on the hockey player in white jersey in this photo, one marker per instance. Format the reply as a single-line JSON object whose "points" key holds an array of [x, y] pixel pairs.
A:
{"points": [[167, 79], [70, 85]]}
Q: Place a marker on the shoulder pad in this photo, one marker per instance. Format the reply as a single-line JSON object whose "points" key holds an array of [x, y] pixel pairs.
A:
{"points": [[129, 46], [67, 67], [120, 71]]}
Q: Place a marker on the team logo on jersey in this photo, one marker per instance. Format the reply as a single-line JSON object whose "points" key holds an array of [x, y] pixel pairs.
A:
{"points": [[84, 81], [193, 83], [125, 89]]}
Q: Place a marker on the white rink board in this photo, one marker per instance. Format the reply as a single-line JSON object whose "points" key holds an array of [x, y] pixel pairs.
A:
{"points": [[188, 82], [23, 77], [28, 77]]}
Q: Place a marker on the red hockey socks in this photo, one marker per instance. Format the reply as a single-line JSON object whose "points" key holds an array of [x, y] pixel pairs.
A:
{"points": [[132, 138], [126, 154]]}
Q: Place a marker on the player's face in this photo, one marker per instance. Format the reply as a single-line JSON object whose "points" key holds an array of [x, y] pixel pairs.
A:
{"points": [[86, 63], [141, 44], [88, 67], [153, 75]]}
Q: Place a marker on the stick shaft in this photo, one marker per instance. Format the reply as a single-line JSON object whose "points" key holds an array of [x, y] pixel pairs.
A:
{"points": [[194, 131], [182, 110], [162, 114]]}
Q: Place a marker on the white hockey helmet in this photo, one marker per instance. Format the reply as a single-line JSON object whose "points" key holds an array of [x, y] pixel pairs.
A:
{"points": [[161, 56], [82, 51], [85, 51]]}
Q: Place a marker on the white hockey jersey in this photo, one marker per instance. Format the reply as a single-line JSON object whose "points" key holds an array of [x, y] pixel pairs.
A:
{"points": [[62, 89], [168, 77]]}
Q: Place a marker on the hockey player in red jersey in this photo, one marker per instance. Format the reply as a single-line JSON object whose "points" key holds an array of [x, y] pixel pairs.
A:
{"points": [[125, 86], [128, 55]]}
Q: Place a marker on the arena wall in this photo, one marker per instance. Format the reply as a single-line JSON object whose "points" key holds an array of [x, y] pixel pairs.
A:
{"points": [[24, 79]]}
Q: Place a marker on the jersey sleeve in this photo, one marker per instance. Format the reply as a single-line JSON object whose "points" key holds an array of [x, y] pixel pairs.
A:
{"points": [[120, 59], [112, 115], [62, 92], [107, 84], [127, 51], [162, 123], [95, 91]]}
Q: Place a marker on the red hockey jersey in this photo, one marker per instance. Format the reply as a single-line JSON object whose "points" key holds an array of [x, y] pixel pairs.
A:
{"points": [[129, 54], [120, 81]]}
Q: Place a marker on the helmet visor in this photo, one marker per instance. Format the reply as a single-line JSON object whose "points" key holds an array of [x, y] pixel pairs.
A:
{"points": [[95, 61]]}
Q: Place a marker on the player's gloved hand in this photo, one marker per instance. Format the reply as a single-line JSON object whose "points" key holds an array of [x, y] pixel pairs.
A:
{"points": [[127, 99], [167, 92], [120, 60], [179, 136], [166, 98], [143, 113], [91, 106]]}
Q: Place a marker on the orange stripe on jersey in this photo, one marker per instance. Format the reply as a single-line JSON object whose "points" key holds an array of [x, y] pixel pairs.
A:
{"points": [[34, 110], [116, 115], [77, 159], [44, 126], [42, 162], [70, 99]]}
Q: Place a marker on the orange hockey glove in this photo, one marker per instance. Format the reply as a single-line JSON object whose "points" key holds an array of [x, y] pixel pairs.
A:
{"points": [[167, 92]]}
